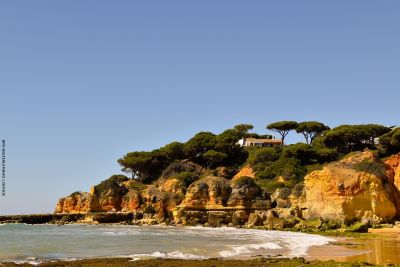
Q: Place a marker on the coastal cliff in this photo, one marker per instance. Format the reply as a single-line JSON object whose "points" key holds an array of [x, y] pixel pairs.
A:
{"points": [[346, 175], [353, 189], [358, 188]]}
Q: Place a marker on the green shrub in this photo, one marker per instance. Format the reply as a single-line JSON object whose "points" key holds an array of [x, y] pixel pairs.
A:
{"points": [[112, 183], [303, 152], [373, 167], [75, 193], [244, 181], [389, 143], [262, 155], [177, 167], [187, 177], [358, 228], [326, 154], [289, 168], [270, 186]]}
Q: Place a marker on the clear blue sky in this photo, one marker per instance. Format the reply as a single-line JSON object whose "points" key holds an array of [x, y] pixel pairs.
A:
{"points": [[83, 82]]}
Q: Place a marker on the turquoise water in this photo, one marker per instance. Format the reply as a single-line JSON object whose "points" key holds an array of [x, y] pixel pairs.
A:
{"points": [[37, 243]]}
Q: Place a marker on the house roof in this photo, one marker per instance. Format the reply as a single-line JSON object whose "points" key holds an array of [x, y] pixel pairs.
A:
{"points": [[256, 140]]}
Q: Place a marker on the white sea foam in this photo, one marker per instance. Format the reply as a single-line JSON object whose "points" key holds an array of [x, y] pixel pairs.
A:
{"points": [[166, 255], [246, 249], [29, 260]]}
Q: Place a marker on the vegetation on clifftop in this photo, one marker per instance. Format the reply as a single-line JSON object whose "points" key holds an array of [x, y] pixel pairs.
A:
{"points": [[279, 166]]}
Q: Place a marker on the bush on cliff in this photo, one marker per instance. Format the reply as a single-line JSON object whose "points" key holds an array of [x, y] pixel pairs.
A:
{"points": [[214, 158], [76, 193], [303, 152], [244, 181], [373, 167], [290, 161], [390, 142], [262, 155], [112, 184], [308, 154], [181, 166], [187, 177], [270, 186], [289, 168]]}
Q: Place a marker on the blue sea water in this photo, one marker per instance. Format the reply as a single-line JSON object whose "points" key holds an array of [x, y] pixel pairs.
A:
{"points": [[36, 243]]}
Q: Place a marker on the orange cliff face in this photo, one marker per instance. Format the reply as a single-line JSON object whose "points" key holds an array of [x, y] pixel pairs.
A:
{"points": [[352, 189], [247, 170], [120, 197], [393, 169], [77, 202], [210, 192]]}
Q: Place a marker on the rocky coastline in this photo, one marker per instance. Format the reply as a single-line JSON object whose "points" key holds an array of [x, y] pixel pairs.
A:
{"points": [[339, 196]]}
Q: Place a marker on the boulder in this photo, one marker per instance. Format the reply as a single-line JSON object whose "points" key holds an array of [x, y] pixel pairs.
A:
{"points": [[257, 218], [281, 197], [239, 217], [358, 227]]}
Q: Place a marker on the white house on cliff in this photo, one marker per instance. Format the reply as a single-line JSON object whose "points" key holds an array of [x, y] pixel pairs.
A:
{"points": [[261, 142]]}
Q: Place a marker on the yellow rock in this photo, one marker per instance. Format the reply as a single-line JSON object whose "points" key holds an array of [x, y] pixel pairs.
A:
{"points": [[341, 192], [247, 170]]}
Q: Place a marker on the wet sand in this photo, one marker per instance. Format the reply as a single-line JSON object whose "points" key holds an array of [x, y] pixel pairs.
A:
{"points": [[379, 246]]}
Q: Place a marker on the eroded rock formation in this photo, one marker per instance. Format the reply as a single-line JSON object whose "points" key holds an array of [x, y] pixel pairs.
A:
{"points": [[359, 187], [352, 189]]}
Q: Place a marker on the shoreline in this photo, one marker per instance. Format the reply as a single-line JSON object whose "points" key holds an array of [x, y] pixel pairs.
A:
{"points": [[217, 262], [336, 249], [347, 247]]}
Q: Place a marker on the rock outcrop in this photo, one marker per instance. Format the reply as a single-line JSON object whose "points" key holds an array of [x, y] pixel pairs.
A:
{"points": [[393, 169], [114, 194], [77, 202], [358, 188], [208, 193], [246, 194], [351, 189]]}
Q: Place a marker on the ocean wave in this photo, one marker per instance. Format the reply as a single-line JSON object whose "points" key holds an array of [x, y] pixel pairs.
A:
{"points": [[248, 248], [165, 255], [29, 260], [121, 233], [37, 261]]}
